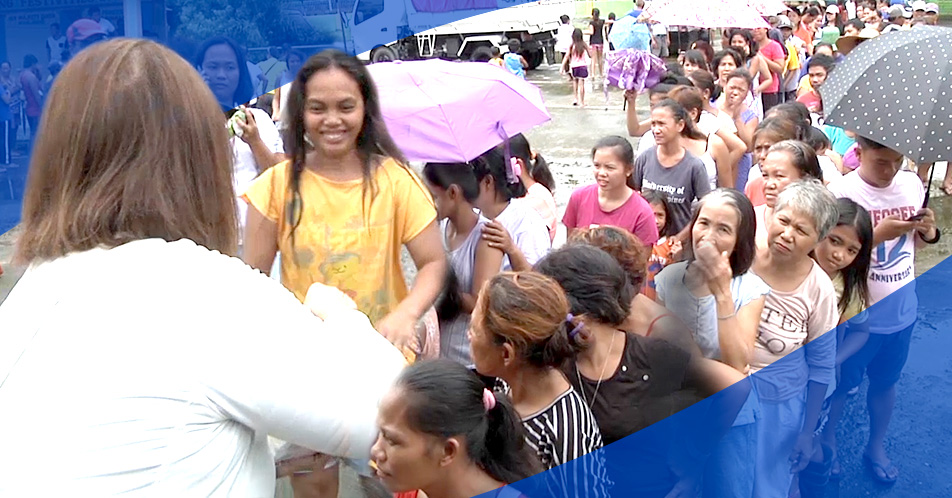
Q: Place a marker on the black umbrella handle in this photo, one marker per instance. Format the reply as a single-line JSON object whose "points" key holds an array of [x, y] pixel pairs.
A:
{"points": [[925, 203]]}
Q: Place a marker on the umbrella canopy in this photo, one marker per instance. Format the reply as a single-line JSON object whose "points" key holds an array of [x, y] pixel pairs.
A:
{"points": [[768, 7], [441, 111], [627, 33], [896, 89], [632, 69], [705, 13]]}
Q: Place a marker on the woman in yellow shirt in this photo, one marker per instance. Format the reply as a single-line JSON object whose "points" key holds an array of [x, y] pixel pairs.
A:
{"points": [[343, 205]]}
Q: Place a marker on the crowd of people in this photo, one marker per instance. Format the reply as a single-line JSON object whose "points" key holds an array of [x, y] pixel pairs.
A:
{"points": [[737, 249]]}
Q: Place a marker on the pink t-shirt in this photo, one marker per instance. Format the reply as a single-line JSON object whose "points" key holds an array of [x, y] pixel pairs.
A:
{"points": [[892, 271], [773, 51], [635, 215], [791, 319]]}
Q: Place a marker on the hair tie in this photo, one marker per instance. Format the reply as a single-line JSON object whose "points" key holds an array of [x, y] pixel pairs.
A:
{"points": [[489, 400], [514, 169], [578, 327]]}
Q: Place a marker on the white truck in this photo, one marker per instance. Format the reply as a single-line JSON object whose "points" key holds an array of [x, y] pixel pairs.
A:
{"points": [[386, 30]]}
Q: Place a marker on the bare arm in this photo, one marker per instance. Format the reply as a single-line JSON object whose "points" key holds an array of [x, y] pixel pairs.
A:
{"points": [[724, 161], [766, 76], [426, 249], [487, 264], [261, 241], [737, 334], [635, 128]]}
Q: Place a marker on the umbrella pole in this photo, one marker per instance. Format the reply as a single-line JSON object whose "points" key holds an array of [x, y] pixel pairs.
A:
{"points": [[925, 203]]}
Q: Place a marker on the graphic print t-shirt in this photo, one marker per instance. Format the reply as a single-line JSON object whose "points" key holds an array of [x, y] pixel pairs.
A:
{"points": [[682, 183], [344, 239], [892, 271]]}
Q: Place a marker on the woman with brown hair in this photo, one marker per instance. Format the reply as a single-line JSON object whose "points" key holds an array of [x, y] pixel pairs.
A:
{"points": [[522, 333], [169, 359]]}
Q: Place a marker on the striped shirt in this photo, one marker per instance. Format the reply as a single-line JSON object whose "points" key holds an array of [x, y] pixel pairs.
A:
{"points": [[561, 432]]}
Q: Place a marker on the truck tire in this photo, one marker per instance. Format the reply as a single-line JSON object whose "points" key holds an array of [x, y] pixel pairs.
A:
{"points": [[481, 54], [535, 59], [383, 54]]}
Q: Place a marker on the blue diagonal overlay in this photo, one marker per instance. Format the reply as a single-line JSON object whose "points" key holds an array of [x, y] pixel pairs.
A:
{"points": [[651, 462]]}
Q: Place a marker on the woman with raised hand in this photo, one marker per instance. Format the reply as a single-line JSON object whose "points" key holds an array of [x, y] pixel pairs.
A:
{"points": [[443, 433], [720, 301], [345, 203], [256, 143], [123, 223]]}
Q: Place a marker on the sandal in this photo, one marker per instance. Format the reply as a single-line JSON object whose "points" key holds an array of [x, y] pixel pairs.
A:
{"points": [[876, 468]]}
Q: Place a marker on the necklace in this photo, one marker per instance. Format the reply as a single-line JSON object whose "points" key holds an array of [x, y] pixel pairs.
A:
{"points": [[598, 384]]}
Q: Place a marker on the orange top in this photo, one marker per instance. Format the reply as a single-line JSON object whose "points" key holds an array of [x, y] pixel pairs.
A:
{"points": [[755, 191]]}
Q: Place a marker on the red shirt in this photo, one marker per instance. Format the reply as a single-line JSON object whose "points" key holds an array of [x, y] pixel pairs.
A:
{"points": [[774, 52], [812, 101], [635, 215], [31, 88], [755, 191]]}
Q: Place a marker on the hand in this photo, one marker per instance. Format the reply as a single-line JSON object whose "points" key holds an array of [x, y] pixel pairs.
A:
{"points": [[631, 95], [926, 225], [716, 267], [802, 452], [676, 251], [399, 327], [249, 129], [893, 227], [323, 300], [498, 237]]}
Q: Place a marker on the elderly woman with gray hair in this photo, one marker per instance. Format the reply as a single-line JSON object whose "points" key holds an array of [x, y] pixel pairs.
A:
{"points": [[798, 312]]}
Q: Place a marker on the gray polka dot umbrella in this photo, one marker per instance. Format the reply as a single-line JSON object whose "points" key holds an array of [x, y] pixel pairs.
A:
{"points": [[896, 89]]}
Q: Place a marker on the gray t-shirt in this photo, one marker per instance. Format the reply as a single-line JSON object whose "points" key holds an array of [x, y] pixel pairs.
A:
{"points": [[682, 183]]}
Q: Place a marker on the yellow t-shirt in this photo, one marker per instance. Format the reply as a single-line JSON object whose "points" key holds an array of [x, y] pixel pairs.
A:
{"points": [[855, 308], [342, 240]]}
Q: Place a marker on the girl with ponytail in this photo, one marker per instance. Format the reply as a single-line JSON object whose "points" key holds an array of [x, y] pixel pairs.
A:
{"points": [[522, 333], [540, 185], [442, 432], [514, 227]]}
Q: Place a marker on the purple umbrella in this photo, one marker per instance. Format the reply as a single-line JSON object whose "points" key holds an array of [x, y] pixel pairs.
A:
{"points": [[632, 69], [440, 111]]}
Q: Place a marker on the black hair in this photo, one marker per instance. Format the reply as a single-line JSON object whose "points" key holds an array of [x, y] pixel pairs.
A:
{"points": [[564, 19], [681, 114], [374, 139], [445, 399], [817, 139], [674, 77], [246, 89], [619, 145], [822, 60], [29, 60], [804, 158], [703, 80], [514, 45], [55, 25], [855, 282], [537, 167], [865, 143], [674, 68], [445, 175], [611, 16], [745, 247], [297, 53], [856, 23], [595, 13], [657, 197], [493, 163], [812, 11], [792, 112], [495, 51], [697, 58], [748, 36], [716, 62], [596, 285]]}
